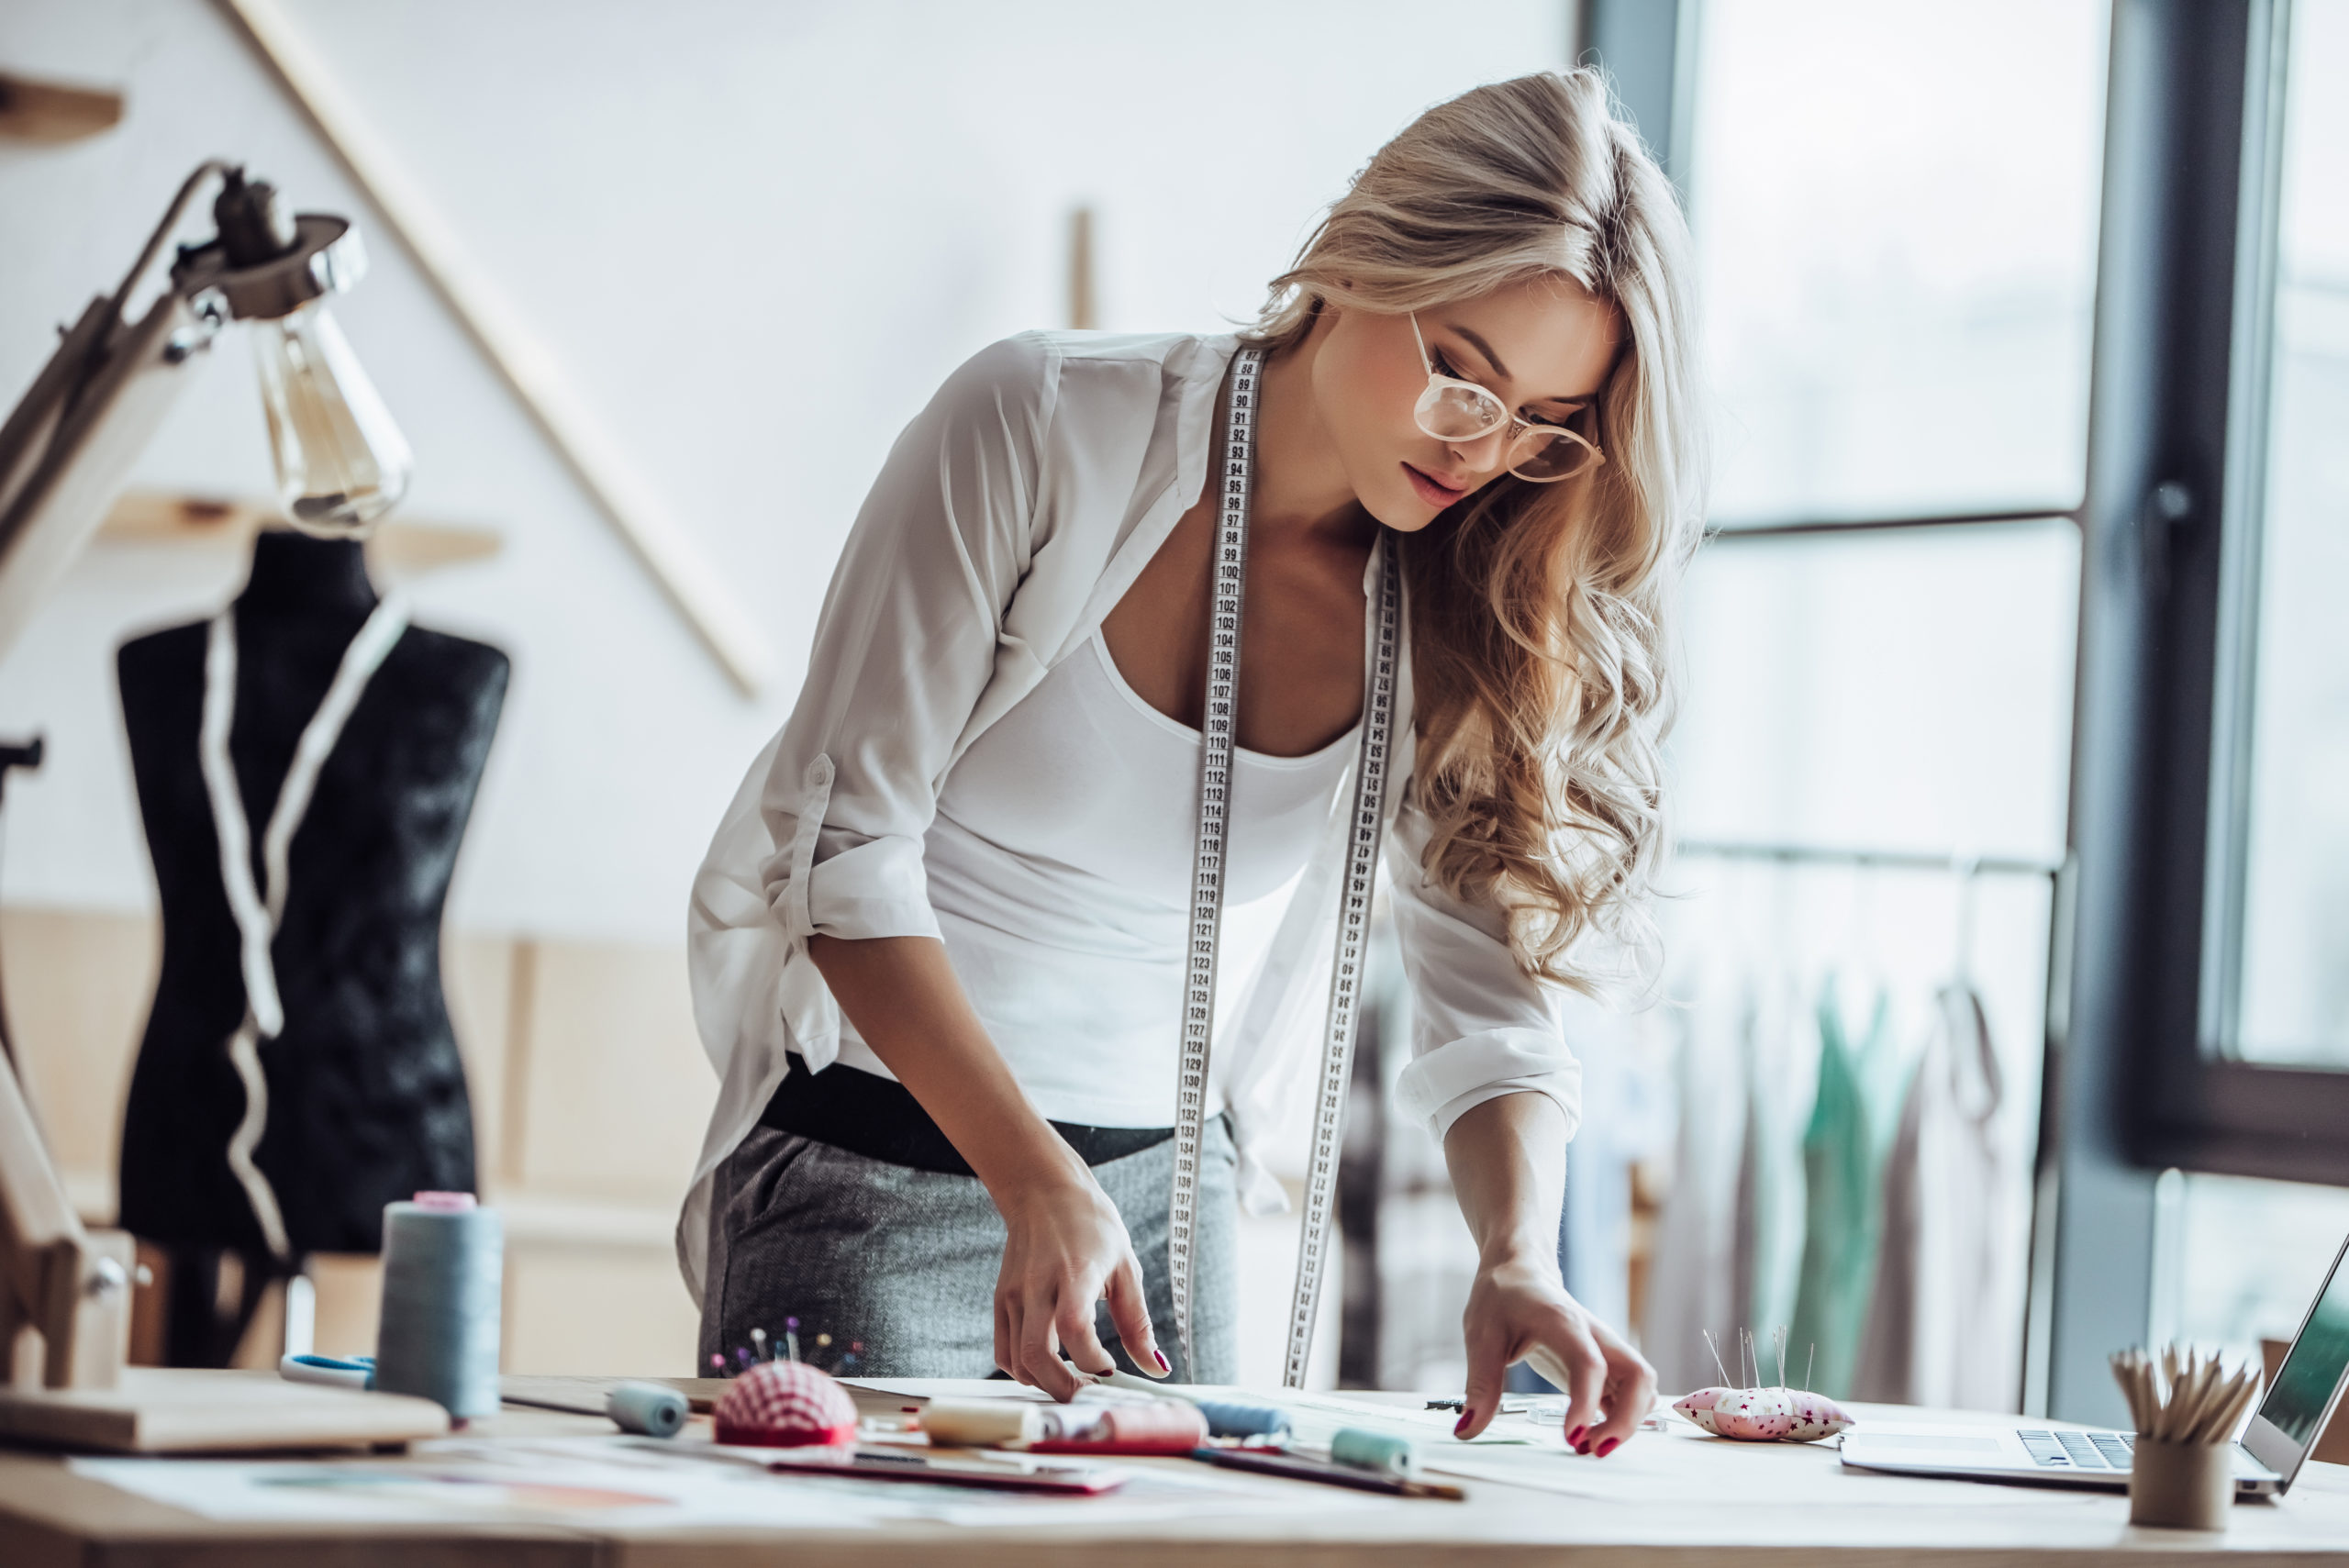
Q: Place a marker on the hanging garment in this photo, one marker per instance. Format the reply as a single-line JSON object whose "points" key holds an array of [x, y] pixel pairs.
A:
{"points": [[1623, 1071], [259, 910], [1940, 1326], [1692, 1290], [1782, 1069], [1844, 1202]]}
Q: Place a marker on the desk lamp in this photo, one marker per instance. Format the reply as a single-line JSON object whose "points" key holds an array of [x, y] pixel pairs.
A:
{"points": [[65, 454]]}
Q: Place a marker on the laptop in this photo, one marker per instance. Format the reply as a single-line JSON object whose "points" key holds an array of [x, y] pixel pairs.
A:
{"points": [[2290, 1418]]}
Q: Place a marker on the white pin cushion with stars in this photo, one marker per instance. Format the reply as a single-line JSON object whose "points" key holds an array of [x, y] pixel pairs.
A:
{"points": [[1764, 1415]]}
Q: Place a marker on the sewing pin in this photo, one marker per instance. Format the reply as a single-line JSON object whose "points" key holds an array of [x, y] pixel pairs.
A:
{"points": [[1718, 1364], [759, 1345], [791, 1337]]}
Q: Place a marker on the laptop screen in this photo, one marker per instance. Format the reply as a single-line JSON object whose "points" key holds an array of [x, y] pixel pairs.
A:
{"points": [[2305, 1383]]}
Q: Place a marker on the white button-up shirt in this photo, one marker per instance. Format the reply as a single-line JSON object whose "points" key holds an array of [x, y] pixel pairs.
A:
{"points": [[1012, 515]]}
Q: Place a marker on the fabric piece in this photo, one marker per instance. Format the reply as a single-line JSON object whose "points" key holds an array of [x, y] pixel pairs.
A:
{"points": [[904, 1261], [1782, 1044], [1841, 1165], [1010, 517], [1936, 1328]]}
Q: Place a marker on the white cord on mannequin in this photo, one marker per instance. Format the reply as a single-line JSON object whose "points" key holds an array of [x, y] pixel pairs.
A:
{"points": [[257, 918]]}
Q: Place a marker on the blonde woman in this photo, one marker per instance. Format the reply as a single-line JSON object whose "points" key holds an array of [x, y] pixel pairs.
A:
{"points": [[938, 943]]}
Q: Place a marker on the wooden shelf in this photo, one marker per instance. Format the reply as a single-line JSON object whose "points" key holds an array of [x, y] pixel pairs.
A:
{"points": [[54, 111], [400, 548]]}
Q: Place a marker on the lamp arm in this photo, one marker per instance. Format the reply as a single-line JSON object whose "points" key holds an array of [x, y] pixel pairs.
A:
{"points": [[211, 168]]}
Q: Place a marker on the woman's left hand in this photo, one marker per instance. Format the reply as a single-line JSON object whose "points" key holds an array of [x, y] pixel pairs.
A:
{"points": [[1519, 1310]]}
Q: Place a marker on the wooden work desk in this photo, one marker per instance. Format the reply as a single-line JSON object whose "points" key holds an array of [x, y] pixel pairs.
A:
{"points": [[1663, 1499]]}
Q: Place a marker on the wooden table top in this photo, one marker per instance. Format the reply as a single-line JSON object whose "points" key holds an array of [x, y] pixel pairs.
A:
{"points": [[1663, 1500]]}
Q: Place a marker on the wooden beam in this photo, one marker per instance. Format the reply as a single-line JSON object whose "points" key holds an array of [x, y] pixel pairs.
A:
{"points": [[664, 547], [53, 111]]}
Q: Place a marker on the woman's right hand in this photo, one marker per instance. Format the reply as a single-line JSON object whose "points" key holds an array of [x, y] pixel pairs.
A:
{"points": [[1066, 1249]]}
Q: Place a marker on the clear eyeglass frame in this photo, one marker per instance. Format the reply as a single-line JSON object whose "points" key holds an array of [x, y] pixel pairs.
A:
{"points": [[1453, 410]]}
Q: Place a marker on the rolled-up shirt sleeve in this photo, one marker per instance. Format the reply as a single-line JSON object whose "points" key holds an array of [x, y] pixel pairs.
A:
{"points": [[1481, 1027], [907, 641]]}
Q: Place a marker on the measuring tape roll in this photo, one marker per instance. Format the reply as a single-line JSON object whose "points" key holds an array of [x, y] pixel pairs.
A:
{"points": [[1217, 728]]}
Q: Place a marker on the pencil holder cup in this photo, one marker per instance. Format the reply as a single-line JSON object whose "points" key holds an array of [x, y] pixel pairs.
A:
{"points": [[2181, 1486]]}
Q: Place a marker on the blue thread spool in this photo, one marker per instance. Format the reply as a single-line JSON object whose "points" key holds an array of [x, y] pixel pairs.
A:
{"points": [[444, 1260], [1229, 1420], [654, 1409], [1375, 1452]]}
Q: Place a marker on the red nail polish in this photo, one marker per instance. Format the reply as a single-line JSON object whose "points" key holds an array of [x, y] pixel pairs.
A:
{"points": [[1163, 1364], [1574, 1438], [1461, 1426], [1610, 1446]]}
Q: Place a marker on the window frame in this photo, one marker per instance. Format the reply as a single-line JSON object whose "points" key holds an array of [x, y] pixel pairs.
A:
{"points": [[2177, 460]]}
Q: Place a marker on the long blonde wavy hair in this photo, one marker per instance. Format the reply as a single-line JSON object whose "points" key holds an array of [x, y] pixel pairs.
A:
{"points": [[1540, 615]]}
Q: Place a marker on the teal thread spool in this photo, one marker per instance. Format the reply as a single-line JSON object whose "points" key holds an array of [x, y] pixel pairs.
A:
{"points": [[444, 1260], [654, 1409], [1374, 1452], [1229, 1420]]}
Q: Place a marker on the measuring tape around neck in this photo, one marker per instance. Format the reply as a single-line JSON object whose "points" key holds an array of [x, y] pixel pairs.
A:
{"points": [[1217, 728]]}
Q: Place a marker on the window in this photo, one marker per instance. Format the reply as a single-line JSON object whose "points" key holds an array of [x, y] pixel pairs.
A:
{"points": [[2281, 858], [1896, 209], [2215, 862], [1895, 215]]}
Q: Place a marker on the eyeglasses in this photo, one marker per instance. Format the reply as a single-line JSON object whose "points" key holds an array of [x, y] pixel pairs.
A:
{"points": [[1455, 410]]}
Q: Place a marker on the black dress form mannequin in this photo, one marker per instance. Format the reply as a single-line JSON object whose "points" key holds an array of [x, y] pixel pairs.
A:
{"points": [[366, 1097]]}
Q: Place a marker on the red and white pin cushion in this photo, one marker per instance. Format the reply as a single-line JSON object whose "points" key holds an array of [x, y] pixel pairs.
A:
{"points": [[786, 1404]]}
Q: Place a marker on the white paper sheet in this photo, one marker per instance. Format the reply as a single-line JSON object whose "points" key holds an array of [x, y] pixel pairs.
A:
{"points": [[632, 1484]]}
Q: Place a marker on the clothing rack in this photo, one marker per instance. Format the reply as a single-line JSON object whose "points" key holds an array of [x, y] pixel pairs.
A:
{"points": [[1892, 860]]}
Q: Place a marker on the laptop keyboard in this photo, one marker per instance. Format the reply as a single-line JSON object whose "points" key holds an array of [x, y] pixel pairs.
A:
{"points": [[2079, 1451]]}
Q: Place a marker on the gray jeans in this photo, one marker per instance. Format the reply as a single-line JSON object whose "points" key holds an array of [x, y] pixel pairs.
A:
{"points": [[904, 1262]]}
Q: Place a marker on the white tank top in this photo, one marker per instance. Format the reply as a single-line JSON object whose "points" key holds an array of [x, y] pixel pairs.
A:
{"points": [[1059, 868]]}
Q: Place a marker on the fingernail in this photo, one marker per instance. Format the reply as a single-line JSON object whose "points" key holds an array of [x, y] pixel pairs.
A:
{"points": [[1610, 1446], [1574, 1437], [1461, 1428], [1160, 1357], [1581, 1445]]}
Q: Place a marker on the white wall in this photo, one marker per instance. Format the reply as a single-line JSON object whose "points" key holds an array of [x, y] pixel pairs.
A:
{"points": [[756, 236]]}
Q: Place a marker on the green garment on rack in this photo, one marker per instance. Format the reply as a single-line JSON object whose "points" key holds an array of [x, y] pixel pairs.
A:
{"points": [[1843, 1157]]}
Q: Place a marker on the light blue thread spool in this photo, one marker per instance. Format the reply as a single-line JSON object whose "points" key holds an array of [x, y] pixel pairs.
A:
{"points": [[1229, 1420], [654, 1409], [444, 1262], [1374, 1450]]}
